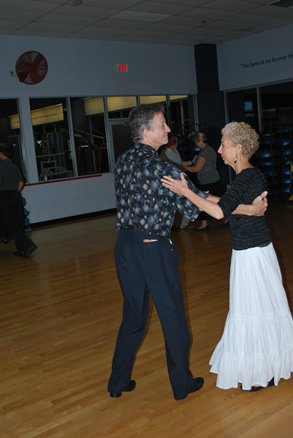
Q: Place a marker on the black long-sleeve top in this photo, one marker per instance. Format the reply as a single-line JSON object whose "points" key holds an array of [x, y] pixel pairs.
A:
{"points": [[247, 231]]}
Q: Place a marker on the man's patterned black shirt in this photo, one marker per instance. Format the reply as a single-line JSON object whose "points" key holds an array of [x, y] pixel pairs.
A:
{"points": [[142, 201]]}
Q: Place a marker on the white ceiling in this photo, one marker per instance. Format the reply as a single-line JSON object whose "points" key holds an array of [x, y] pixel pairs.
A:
{"points": [[188, 22]]}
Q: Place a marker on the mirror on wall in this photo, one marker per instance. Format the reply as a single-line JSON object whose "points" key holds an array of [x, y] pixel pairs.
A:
{"points": [[242, 106], [90, 139], [269, 110], [51, 136], [10, 130], [75, 136]]}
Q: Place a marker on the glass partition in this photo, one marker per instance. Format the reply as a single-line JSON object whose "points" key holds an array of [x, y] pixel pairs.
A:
{"points": [[51, 137], [119, 107], [152, 99], [275, 128], [10, 130], [88, 119], [182, 123], [120, 136], [87, 136], [277, 106], [243, 107], [179, 113]]}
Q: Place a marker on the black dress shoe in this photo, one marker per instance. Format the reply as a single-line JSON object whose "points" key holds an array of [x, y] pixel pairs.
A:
{"points": [[197, 384], [29, 250], [130, 387], [258, 388]]}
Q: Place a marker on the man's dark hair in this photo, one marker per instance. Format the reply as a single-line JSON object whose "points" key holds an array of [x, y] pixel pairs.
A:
{"points": [[6, 150], [141, 117]]}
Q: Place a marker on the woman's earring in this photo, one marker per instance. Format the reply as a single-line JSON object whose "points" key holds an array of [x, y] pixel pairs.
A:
{"points": [[235, 161]]}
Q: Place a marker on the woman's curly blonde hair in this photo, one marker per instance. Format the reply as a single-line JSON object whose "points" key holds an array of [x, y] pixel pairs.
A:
{"points": [[244, 134]]}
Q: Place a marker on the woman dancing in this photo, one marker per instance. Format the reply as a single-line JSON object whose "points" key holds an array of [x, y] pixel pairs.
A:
{"points": [[256, 348]]}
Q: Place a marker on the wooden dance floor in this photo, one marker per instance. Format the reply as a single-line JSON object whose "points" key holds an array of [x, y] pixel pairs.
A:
{"points": [[60, 313]]}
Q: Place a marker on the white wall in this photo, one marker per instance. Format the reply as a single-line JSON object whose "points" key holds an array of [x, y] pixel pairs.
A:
{"points": [[87, 68], [55, 200], [256, 60]]}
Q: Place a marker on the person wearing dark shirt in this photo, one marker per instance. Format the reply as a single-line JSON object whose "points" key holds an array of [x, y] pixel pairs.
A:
{"points": [[208, 177], [146, 258], [172, 155], [256, 348], [11, 207]]}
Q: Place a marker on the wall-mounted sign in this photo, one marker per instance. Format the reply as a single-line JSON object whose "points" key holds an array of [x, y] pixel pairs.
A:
{"points": [[41, 116], [122, 67]]}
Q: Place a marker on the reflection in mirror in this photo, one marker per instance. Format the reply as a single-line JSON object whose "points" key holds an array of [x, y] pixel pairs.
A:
{"points": [[88, 117], [10, 132], [243, 107], [119, 107], [182, 123], [51, 137], [121, 136], [277, 106], [152, 99]]}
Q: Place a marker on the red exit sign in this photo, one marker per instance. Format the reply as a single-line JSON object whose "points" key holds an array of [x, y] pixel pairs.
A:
{"points": [[122, 67]]}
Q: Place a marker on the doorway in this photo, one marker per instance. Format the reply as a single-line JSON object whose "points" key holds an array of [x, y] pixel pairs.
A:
{"points": [[120, 137]]}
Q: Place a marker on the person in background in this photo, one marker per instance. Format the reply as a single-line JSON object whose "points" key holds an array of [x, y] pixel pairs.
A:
{"points": [[208, 177], [256, 348], [171, 155], [11, 207]]}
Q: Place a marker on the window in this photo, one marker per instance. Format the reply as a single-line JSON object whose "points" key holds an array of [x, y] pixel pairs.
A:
{"points": [[183, 124], [152, 99], [51, 137], [10, 130], [275, 128], [277, 106], [82, 136], [119, 107], [88, 118], [242, 107]]}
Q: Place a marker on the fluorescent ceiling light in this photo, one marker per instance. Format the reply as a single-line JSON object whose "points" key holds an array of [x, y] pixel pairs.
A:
{"points": [[141, 16]]}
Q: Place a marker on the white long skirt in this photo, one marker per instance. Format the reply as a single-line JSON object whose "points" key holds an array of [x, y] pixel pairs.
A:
{"points": [[257, 342]]}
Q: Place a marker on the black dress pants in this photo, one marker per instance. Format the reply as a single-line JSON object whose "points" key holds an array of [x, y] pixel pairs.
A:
{"points": [[11, 208], [145, 269], [4, 232]]}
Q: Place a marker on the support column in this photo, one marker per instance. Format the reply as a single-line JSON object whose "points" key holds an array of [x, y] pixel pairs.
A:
{"points": [[27, 139], [211, 107]]}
